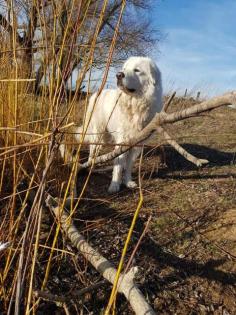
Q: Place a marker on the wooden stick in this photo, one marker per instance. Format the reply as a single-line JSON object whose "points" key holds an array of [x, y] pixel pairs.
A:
{"points": [[175, 145], [161, 119], [167, 104], [126, 283], [183, 152]]}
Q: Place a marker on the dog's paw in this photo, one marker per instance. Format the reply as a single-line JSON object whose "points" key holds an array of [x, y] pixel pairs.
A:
{"points": [[131, 184], [114, 187], [201, 162]]}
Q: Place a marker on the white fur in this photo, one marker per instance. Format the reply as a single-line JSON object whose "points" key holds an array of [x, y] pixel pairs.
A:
{"points": [[121, 114]]}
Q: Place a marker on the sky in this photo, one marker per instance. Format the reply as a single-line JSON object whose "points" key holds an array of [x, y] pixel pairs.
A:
{"points": [[198, 50]]}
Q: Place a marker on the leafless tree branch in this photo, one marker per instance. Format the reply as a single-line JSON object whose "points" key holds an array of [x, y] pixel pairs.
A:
{"points": [[101, 264], [161, 119]]}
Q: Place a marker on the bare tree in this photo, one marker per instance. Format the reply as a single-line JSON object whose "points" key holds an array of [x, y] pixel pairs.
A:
{"points": [[53, 35]]}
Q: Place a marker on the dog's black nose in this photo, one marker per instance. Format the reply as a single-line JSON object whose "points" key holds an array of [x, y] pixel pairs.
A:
{"points": [[120, 75]]}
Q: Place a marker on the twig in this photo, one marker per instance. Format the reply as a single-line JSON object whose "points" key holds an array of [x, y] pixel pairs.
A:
{"points": [[204, 236], [75, 295], [167, 104], [138, 243], [33, 220], [182, 151], [59, 300]]}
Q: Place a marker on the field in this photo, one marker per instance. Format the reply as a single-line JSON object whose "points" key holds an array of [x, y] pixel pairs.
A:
{"points": [[184, 238], [186, 257]]}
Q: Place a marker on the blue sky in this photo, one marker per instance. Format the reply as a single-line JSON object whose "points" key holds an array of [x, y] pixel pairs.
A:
{"points": [[199, 49]]}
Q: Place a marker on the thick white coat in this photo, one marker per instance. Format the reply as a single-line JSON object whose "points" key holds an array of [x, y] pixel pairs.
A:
{"points": [[120, 113]]}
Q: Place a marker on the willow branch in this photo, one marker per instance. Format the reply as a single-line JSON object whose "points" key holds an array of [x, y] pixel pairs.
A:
{"points": [[126, 283], [167, 104], [162, 119], [182, 151]]}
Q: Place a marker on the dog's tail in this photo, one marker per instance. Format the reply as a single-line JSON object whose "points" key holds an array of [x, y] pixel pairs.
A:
{"points": [[80, 135], [68, 152]]}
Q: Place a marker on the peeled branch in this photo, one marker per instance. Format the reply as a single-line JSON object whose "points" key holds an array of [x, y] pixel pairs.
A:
{"points": [[126, 284]]}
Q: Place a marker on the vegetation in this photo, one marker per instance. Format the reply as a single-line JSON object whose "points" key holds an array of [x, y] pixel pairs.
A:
{"points": [[41, 43]]}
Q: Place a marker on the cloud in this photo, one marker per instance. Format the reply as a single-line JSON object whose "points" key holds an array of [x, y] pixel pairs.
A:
{"points": [[199, 51]]}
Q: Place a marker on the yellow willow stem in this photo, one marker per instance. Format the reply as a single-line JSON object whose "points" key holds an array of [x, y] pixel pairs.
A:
{"points": [[34, 261], [89, 60], [102, 85], [82, 192], [61, 54], [14, 26], [50, 257], [10, 259], [112, 299], [51, 76], [114, 288]]}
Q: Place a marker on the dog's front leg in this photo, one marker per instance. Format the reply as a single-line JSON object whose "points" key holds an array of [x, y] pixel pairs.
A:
{"points": [[132, 156], [119, 165]]}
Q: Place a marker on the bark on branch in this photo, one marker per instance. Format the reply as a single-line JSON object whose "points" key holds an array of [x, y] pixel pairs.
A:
{"points": [[126, 283], [182, 151], [161, 119]]}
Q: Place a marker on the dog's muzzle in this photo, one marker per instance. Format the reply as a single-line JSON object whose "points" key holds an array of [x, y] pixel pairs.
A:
{"points": [[120, 76]]}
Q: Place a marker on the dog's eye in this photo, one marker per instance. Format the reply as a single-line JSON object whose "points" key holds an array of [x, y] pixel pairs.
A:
{"points": [[136, 70]]}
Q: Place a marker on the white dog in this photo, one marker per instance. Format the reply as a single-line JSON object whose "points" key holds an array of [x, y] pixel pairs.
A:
{"points": [[123, 112]]}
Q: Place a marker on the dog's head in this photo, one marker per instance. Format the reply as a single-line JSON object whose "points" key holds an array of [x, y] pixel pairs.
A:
{"points": [[138, 76]]}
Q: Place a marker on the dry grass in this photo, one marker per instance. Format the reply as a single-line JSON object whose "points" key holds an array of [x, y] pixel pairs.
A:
{"points": [[29, 132], [187, 252], [187, 258]]}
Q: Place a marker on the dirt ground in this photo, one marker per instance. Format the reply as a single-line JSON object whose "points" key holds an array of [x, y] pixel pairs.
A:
{"points": [[187, 257]]}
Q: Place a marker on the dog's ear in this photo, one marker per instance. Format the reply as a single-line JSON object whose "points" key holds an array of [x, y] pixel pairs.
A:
{"points": [[155, 75]]}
